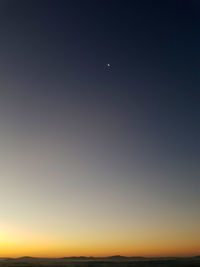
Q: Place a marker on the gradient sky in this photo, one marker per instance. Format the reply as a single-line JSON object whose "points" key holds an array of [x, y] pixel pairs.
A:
{"points": [[96, 161]]}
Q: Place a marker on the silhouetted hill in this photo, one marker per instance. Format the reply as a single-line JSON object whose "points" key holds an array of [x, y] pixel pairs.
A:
{"points": [[78, 258], [26, 258], [116, 257], [121, 258]]}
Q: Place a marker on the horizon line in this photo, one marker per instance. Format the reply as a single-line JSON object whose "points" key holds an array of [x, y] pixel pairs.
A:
{"points": [[99, 257]]}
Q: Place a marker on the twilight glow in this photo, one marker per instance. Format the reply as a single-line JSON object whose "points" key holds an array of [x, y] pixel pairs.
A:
{"points": [[96, 159]]}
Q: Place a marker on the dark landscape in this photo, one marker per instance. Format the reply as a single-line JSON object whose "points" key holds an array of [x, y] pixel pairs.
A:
{"points": [[118, 261]]}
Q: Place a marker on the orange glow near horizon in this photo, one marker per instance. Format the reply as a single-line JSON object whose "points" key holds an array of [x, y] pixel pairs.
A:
{"points": [[17, 244], [51, 252]]}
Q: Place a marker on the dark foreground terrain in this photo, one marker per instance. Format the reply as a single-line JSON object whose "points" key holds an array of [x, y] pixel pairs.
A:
{"points": [[115, 261]]}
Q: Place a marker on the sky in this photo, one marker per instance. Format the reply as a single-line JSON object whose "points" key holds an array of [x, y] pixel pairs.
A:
{"points": [[98, 160]]}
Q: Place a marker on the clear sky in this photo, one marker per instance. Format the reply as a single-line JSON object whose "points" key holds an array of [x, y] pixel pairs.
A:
{"points": [[96, 159]]}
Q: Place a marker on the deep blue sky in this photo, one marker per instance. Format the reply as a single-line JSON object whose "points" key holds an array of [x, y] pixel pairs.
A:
{"points": [[135, 126]]}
